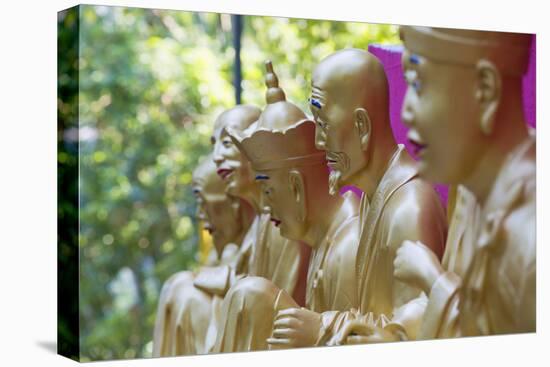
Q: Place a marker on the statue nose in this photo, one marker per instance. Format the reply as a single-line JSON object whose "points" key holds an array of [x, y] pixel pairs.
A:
{"points": [[216, 155], [407, 114]]}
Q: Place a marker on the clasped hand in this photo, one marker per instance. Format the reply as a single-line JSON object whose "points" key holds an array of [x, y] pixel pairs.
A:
{"points": [[294, 328], [362, 331]]}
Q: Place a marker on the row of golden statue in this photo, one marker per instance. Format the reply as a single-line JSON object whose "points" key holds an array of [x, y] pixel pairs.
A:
{"points": [[298, 264]]}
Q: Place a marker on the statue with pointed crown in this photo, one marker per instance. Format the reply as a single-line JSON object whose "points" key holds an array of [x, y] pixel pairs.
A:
{"points": [[464, 109], [185, 311], [294, 179], [263, 252]]}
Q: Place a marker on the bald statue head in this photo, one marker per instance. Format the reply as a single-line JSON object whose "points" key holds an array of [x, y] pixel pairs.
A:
{"points": [[218, 211], [232, 166], [239, 117], [350, 104]]}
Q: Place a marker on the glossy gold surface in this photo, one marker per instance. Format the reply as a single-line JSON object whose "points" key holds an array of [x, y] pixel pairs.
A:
{"points": [[298, 264], [294, 179], [489, 287], [185, 310], [349, 102], [264, 252]]}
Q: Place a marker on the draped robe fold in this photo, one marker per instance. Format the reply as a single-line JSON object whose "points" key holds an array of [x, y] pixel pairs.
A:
{"points": [[252, 303]]}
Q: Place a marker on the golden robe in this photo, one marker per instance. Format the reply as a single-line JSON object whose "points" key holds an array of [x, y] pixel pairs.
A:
{"points": [[175, 332], [274, 257], [264, 253], [493, 289], [252, 303], [190, 304], [403, 207], [177, 295]]}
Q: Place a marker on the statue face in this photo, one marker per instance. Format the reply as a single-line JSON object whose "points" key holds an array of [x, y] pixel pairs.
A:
{"points": [[335, 133], [443, 113], [218, 214], [286, 204], [233, 167]]}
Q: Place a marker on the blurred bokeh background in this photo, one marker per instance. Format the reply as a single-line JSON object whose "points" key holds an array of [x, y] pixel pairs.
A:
{"points": [[151, 83]]}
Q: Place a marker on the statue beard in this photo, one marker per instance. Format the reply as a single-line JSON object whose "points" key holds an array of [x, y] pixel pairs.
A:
{"points": [[335, 177], [334, 182]]}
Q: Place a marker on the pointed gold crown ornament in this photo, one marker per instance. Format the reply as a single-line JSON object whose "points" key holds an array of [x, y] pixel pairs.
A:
{"points": [[508, 51], [277, 139]]}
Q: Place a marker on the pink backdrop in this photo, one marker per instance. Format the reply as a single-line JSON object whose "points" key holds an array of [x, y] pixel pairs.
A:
{"points": [[390, 56]]}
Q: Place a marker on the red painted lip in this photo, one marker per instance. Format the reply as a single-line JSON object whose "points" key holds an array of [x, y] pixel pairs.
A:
{"points": [[277, 222], [224, 172], [417, 146]]}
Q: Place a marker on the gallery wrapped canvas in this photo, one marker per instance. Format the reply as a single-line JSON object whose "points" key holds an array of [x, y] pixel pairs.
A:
{"points": [[232, 183]]}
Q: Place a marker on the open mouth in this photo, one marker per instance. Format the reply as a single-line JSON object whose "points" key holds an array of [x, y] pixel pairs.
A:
{"points": [[277, 222], [331, 161], [417, 145], [224, 173]]}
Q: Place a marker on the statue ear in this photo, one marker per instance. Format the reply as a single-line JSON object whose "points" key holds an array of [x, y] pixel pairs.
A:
{"points": [[297, 187], [363, 126], [488, 92]]}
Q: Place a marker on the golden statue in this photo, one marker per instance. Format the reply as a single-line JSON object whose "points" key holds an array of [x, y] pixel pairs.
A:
{"points": [[189, 307], [294, 178], [184, 310], [350, 105], [464, 108], [264, 252]]}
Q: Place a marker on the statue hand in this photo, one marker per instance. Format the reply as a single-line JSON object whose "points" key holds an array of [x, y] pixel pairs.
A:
{"points": [[295, 327], [377, 335], [361, 332], [416, 265]]}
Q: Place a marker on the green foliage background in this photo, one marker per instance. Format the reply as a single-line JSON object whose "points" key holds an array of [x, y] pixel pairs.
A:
{"points": [[151, 84]]}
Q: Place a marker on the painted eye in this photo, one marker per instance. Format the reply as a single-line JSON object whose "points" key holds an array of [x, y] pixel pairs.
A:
{"points": [[411, 78], [226, 143]]}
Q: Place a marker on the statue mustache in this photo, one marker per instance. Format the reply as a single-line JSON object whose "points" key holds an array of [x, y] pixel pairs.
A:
{"points": [[336, 174]]}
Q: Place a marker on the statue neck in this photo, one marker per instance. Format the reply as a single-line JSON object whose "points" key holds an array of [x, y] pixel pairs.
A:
{"points": [[247, 215], [380, 155], [251, 195], [322, 208], [510, 130]]}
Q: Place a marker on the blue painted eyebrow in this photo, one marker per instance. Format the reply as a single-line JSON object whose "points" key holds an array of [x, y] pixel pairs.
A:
{"points": [[262, 177], [315, 103], [414, 59]]}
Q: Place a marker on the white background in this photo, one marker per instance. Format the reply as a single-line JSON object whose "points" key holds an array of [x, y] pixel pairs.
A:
{"points": [[28, 181]]}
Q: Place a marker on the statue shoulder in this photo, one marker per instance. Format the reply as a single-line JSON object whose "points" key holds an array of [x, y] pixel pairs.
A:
{"points": [[347, 233], [351, 203], [414, 212], [519, 231], [513, 198], [346, 238], [180, 277]]}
